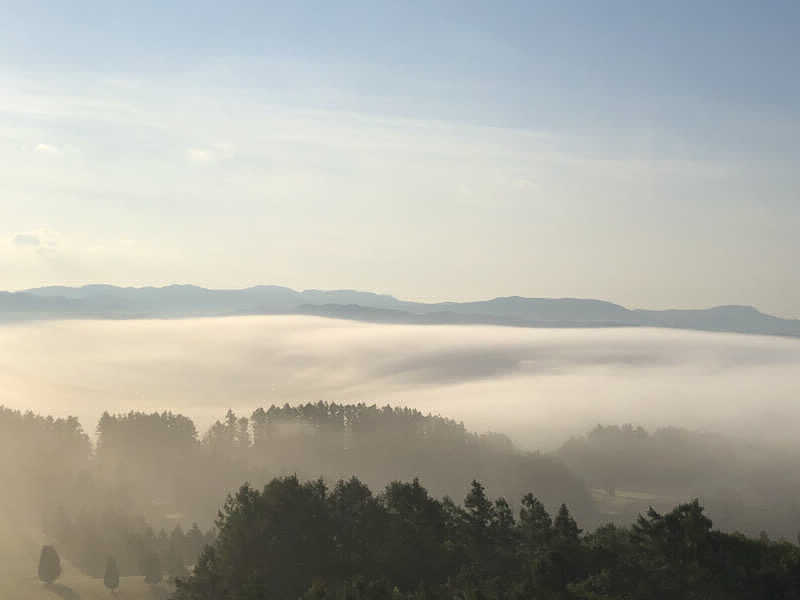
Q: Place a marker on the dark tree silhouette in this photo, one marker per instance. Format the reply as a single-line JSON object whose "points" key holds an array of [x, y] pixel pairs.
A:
{"points": [[49, 565], [111, 576], [348, 541], [173, 563], [151, 568], [297, 540]]}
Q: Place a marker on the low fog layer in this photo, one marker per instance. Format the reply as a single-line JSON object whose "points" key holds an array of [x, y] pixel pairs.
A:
{"points": [[538, 385]]}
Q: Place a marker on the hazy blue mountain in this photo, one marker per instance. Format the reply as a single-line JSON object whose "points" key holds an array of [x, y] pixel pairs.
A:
{"points": [[538, 309], [24, 304], [168, 301], [172, 301], [743, 319], [357, 312], [367, 299]]}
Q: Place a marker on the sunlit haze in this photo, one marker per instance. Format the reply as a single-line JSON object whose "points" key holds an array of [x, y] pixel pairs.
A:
{"points": [[390, 300], [444, 152]]}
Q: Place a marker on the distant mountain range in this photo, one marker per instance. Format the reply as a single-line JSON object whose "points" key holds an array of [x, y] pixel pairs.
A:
{"points": [[175, 301]]}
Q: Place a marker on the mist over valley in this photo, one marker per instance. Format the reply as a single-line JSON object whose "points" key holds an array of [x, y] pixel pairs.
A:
{"points": [[538, 385]]}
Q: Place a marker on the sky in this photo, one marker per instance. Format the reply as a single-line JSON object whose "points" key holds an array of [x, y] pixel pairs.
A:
{"points": [[644, 153]]}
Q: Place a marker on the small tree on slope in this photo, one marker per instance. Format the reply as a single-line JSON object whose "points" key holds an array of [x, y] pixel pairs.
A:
{"points": [[111, 577], [49, 565]]}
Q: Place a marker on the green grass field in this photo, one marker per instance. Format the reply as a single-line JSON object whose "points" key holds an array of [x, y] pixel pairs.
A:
{"points": [[19, 560]]}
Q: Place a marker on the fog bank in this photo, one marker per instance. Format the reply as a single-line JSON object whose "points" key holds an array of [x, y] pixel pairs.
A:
{"points": [[538, 385]]}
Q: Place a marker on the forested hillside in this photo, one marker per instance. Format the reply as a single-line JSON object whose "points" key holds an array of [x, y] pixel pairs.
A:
{"points": [[146, 492], [294, 539], [151, 479], [162, 454], [747, 487]]}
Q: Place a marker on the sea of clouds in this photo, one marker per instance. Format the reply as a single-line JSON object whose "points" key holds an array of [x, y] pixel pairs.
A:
{"points": [[538, 385]]}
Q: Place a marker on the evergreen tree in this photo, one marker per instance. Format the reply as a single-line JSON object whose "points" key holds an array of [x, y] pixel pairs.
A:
{"points": [[175, 566], [534, 522], [565, 526], [194, 543], [151, 568], [295, 540], [111, 577], [49, 565], [480, 511]]}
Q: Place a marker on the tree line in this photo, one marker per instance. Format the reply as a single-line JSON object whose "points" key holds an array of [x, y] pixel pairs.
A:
{"points": [[189, 472], [148, 472], [296, 539]]}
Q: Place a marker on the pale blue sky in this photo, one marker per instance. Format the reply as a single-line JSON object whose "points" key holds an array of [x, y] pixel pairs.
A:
{"points": [[643, 154]]}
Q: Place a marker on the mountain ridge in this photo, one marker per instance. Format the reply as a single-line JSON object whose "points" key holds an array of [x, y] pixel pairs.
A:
{"points": [[179, 300]]}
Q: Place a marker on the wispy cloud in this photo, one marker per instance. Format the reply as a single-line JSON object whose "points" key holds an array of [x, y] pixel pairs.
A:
{"points": [[42, 239], [199, 155], [211, 154], [44, 256], [26, 239], [47, 149], [319, 186]]}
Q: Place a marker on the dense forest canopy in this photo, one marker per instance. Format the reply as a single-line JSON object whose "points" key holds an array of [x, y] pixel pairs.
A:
{"points": [[40, 458], [161, 454], [146, 492], [293, 540]]}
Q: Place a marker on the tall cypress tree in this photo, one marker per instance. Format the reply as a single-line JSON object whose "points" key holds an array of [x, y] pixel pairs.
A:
{"points": [[49, 565], [151, 568], [111, 577]]}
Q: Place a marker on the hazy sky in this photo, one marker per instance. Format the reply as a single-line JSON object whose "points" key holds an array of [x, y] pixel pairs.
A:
{"points": [[646, 153]]}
